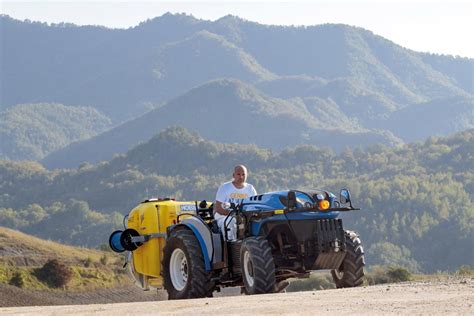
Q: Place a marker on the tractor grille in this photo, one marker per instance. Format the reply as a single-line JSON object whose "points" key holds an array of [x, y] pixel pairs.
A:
{"points": [[330, 244], [329, 235]]}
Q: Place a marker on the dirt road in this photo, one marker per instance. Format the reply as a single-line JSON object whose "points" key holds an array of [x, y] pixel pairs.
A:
{"points": [[454, 296]]}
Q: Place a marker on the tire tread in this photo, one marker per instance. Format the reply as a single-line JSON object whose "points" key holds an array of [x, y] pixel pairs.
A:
{"points": [[199, 279], [354, 262], [263, 264]]}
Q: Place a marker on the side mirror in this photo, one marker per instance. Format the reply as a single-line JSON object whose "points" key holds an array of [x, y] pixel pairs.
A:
{"points": [[345, 197], [291, 200]]}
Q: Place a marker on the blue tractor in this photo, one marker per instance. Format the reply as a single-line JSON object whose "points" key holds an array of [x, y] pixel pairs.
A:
{"points": [[280, 235]]}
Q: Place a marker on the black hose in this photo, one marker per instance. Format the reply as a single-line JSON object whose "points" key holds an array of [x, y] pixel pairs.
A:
{"points": [[291, 227], [225, 223], [123, 221]]}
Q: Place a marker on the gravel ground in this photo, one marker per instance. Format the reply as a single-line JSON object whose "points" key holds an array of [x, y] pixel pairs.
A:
{"points": [[12, 296], [454, 296]]}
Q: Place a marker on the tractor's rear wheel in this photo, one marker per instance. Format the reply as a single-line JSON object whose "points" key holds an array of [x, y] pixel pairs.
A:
{"points": [[351, 271], [184, 272], [258, 268]]}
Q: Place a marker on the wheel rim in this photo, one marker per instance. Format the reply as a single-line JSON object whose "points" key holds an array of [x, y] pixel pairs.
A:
{"points": [[248, 269], [178, 269]]}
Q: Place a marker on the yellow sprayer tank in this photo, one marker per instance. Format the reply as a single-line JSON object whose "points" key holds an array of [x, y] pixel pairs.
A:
{"points": [[153, 217]]}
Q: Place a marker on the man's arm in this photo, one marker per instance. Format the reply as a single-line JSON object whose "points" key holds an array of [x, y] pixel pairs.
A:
{"points": [[221, 195]]}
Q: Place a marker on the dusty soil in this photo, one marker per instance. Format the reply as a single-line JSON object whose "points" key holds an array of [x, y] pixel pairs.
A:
{"points": [[454, 296], [12, 296]]}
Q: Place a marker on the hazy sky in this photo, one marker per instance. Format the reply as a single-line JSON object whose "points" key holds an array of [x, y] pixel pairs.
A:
{"points": [[444, 27]]}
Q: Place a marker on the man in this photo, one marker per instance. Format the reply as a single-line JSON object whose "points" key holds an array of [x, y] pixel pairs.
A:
{"points": [[232, 192]]}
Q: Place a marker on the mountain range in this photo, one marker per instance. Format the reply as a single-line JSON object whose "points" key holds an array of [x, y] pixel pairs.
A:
{"points": [[231, 80], [230, 111]]}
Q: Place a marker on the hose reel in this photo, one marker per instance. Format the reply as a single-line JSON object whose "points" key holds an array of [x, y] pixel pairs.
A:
{"points": [[119, 241]]}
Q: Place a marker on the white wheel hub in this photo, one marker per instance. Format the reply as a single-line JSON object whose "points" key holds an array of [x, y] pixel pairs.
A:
{"points": [[178, 269], [248, 269]]}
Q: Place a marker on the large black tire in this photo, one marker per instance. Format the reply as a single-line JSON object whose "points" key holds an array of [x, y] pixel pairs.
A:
{"points": [[258, 268], [351, 271], [183, 267]]}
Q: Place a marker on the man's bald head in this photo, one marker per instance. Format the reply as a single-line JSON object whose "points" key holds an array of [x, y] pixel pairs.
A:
{"points": [[240, 168], [239, 175]]}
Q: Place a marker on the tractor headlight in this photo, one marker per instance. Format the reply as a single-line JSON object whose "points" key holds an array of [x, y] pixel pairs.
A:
{"points": [[323, 205]]}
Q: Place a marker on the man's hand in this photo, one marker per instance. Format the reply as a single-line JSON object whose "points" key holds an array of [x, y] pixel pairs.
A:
{"points": [[219, 209]]}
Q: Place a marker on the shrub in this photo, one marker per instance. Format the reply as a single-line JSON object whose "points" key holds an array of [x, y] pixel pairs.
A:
{"points": [[88, 262], [465, 269], [398, 275], [382, 275], [54, 273], [104, 247], [378, 275], [17, 280], [316, 281], [104, 260]]}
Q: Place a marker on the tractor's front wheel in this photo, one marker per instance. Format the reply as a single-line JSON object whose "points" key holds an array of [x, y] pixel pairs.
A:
{"points": [[351, 271], [258, 268], [184, 272]]}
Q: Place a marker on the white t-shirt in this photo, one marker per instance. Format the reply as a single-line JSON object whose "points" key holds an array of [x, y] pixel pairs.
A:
{"points": [[227, 192]]}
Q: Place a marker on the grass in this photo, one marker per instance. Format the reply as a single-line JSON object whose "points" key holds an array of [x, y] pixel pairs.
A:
{"points": [[23, 245], [29, 280], [82, 278], [96, 277], [21, 255]]}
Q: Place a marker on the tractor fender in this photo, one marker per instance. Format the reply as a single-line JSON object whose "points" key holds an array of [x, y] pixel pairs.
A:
{"points": [[210, 248]]}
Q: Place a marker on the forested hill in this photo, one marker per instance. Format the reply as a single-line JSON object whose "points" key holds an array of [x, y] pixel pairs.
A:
{"points": [[32, 131], [228, 110], [416, 199], [330, 71]]}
